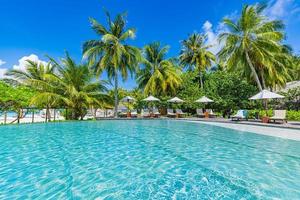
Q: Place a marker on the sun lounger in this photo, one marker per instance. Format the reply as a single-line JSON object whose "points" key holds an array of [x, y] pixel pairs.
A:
{"points": [[279, 115], [211, 113], [145, 113], [240, 115], [170, 113], [156, 113], [133, 113], [200, 113], [122, 113], [180, 113]]}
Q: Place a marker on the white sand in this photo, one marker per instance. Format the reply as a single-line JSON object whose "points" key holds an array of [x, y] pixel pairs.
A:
{"points": [[28, 119]]}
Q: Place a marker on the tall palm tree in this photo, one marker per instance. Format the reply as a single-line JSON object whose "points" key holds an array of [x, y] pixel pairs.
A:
{"points": [[159, 75], [195, 54], [111, 52], [73, 86], [252, 43]]}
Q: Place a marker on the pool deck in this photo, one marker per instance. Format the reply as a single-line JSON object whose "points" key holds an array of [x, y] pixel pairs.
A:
{"points": [[289, 130]]}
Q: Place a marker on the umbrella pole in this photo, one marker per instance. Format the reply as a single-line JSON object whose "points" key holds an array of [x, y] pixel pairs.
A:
{"points": [[265, 101], [32, 120]]}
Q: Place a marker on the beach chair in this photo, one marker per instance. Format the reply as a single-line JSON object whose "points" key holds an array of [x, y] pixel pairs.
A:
{"points": [[170, 113], [211, 113], [156, 113], [180, 113], [279, 115], [133, 113], [200, 113], [240, 115], [145, 113], [123, 113]]}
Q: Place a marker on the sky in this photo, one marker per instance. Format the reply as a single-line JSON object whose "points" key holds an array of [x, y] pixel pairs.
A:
{"points": [[32, 29]]}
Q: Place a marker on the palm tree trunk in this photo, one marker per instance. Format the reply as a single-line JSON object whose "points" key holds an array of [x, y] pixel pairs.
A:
{"points": [[5, 116], [19, 114], [32, 116], [201, 80], [262, 79], [116, 94], [253, 72]]}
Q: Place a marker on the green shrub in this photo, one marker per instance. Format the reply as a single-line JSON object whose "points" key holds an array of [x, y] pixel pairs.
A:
{"points": [[293, 115]]}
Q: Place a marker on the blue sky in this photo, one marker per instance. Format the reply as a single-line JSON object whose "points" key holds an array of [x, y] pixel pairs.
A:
{"points": [[50, 27]]}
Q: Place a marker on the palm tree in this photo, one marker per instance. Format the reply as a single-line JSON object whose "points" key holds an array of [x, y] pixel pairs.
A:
{"points": [[34, 70], [252, 43], [72, 86], [159, 76], [295, 70], [111, 53], [196, 54]]}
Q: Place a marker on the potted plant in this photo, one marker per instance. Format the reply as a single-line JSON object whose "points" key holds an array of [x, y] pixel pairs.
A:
{"points": [[265, 115]]}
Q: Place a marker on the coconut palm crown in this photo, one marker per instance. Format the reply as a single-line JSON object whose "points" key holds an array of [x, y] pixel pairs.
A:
{"points": [[158, 76], [196, 55], [253, 44]]}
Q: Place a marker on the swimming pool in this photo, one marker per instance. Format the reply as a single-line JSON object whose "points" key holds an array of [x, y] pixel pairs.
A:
{"points": [[145, 159]]}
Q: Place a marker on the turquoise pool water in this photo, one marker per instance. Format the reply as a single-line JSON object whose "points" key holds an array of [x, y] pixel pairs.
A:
{"points": [[149, 159]]}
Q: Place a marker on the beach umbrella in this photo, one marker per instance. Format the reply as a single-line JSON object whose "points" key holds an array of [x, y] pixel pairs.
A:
{"points": [[265, 95], [204, 99], [128, 99], [175, 100], [151, 98]]}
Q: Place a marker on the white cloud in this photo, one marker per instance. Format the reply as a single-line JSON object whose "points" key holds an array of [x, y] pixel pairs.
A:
{"points": [[283, 9], [2, 73], [207, 25], [2, 70], [23, 62], [212, 36], [2, 62]]}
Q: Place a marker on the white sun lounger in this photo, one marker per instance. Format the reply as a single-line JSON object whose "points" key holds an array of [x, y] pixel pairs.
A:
{"points": [[240, 115], [211, 113], [200, 112], [180, 113], [170, 113], [279, 115], [145, 113]]}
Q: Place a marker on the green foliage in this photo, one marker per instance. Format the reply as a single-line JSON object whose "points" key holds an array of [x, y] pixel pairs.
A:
{"points": [[158, 76], [292, 99], [253, 46], [195, 54], [229, 91], [293, 115], [73, 86], [15, 98], [190, 91]]}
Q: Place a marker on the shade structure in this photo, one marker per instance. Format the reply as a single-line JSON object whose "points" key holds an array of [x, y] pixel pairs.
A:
{"points": [[175, 100], [204, 99], [151, 98], [128, 99], [266, 94]]}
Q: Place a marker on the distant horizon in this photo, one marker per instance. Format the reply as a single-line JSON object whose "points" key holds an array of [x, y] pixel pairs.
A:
{"points": [[52, 27]]}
